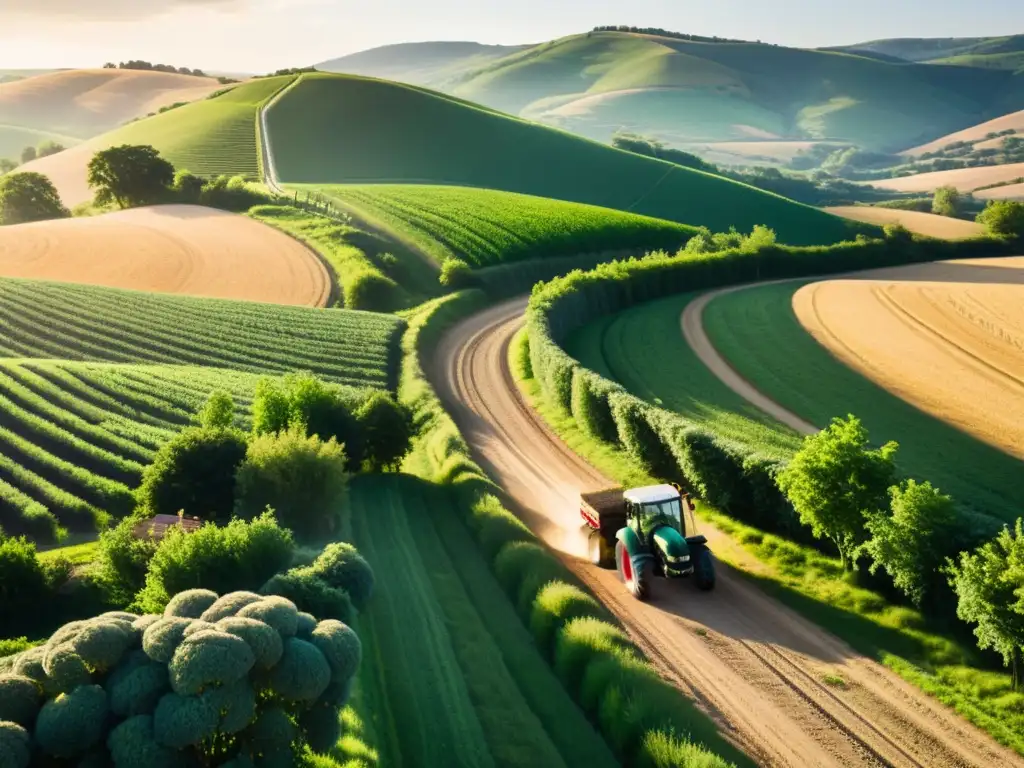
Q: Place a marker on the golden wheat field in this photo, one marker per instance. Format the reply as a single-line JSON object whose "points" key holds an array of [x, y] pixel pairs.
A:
{"points": [[964, 179], [946, 337], [928, 224], [1013, 120]]}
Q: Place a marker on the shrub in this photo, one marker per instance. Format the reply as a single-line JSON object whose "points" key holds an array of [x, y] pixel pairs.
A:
{"points": [[72, 724], [232, 193], [456, 274], [311, 593], [193, 472], [386, 429], [20, 699], [276, 612], [639, 438], [1003, 218], [190, 604], [303, 478], [229, 605], [342, 567], [581, 642], [218, 412], [124, 559], [557, 604], [590, 406], [370, 290], [24, 583], [236, 556], [15, 745], [187, 186], [28, 197], [303, 673], [523, 568]]}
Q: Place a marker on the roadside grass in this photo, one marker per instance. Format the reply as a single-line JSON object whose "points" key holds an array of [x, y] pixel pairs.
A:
{"points": [[458, 679], [816, 587], [757, 332], [333, 129], [486, 227]]}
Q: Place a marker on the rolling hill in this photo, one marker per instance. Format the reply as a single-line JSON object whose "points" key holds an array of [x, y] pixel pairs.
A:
{"points": [[685, 91], [418, 63], [933, 49], [964, 179], [330, 129], [1014, 121], [214, 136]]}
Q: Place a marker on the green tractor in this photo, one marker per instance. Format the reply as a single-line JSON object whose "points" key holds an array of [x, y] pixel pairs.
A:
{"points": [[645, 532]]}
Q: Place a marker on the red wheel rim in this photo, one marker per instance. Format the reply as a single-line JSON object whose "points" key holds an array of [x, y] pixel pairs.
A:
{"points": [[627, 568]]}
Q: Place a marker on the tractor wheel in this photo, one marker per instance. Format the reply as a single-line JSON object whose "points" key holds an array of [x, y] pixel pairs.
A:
{"points": [[637, 580], [704, 569], [602, 554]]}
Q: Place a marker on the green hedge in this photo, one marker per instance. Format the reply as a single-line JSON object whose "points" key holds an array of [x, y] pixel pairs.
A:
{"points": [[729, 476], [645, 719]]}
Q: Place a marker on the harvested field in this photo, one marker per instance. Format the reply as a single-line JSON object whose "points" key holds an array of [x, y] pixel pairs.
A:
{"points": [[85, 102], [946, 337], [1013, 120], [928, 224], [964, 179], [1010, 192], [171, 249]]}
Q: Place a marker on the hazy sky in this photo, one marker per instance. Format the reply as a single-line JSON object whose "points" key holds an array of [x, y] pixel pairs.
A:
{"points": [[259, 35]]}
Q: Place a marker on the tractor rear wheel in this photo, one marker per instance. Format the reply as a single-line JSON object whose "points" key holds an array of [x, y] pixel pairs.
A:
{"points": [[637, 579], [602, 554], [704, 569]]}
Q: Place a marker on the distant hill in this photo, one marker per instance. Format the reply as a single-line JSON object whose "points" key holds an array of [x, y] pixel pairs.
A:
{"points": [[685, 91], [981, 133], [936, 49]]}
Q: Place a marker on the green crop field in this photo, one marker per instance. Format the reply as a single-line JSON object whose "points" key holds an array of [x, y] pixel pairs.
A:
{"points": [[486, 227], [455, 677], [210, 137], [643, 349], [332, 129], [758, 333], [94, 380], [14, 138]]}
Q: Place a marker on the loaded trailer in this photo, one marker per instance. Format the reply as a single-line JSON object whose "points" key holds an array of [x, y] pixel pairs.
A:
{"points": [[646, 532]]}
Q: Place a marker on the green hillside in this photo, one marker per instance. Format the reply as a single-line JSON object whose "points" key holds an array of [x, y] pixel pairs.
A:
{"points": [[931, 49], [210, 137], [418, 63], [13, 139], [94, 380], [681, 90], [332, 129]]}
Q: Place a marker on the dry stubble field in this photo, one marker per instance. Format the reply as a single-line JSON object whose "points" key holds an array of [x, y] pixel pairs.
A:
{"points": [[946, 337], [171, 249], [928, 224]]}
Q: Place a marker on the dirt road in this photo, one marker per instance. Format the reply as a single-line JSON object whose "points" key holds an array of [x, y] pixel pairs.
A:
{"points": [[755, 666]]}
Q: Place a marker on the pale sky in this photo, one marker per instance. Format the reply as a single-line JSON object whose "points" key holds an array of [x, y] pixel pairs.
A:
{"points": [[261, 35]]}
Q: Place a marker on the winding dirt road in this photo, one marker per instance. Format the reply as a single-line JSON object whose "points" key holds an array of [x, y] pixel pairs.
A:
{"points": [[756, 667]]}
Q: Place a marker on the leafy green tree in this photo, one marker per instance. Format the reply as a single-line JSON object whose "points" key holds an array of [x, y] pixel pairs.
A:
{"points": [[946, 201], [218, 412], [913, 541], [28, 154], [386, 429], [455, 274], [130, 176], [835, 481], [29, 196], [989, 585], [7, 165], [48, 148], [188, 186], [1003, 218]]}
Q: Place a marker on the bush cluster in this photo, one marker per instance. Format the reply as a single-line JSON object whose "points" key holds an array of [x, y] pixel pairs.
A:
{"points": [[337, 580], [235, 680]]}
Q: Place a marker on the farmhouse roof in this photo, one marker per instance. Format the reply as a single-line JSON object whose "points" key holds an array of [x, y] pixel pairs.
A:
{"points": [[156, 527]]}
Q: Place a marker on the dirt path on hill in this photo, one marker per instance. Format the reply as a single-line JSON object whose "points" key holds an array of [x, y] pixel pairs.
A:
{"points": [[755, 666], [692, 322]]}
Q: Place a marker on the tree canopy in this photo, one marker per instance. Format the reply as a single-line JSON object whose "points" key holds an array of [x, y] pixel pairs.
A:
{"points": [[130, 176], [27, 197], [1004, 218]]}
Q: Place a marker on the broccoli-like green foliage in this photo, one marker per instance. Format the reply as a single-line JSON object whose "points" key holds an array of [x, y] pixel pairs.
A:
{"points": [[65, 633], [136, 685], [30, 664], [162, 638], [181, 721], [302, 674], [20, 699], [341, 566], [264, 640], [340, 646], [198, 625], [272, 733], [306, 625], [73, 723], [229, 605], [122, 615], [235, 705], [338, 694], [65, 670], [15, 745], [132, 745], [7, 664], [310, 592], [322, 726], [210, 657], [102, 642], [279, 613], [190, 604], [143, 623]]}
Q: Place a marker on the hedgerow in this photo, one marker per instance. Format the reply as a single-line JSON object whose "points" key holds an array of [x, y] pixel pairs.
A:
{"points": [[241, 693], [539, 585]]}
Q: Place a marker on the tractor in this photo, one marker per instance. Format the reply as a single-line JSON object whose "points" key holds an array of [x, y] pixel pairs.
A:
{"points": [[645, 532]]}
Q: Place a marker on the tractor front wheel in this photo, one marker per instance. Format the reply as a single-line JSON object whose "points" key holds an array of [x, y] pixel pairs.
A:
{"points": [[601, 552], [704, 569], [637, 579]]}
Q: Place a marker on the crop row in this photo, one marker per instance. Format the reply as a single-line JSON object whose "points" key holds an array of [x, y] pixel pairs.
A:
{"points": [[485, 227]]}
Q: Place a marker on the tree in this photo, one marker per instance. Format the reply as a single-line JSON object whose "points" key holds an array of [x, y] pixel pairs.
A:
{"points": [[188, 186], [1003, 218], [386, 429], [7, 165], [48, 148], [130, 176], [219, 410], [913, 541], [28, 154], [29, 196], [989, 585], [946, 201], [835, 481]]}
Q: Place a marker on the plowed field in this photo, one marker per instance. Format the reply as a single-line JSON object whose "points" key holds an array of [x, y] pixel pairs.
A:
{"points": [[947, 337]]}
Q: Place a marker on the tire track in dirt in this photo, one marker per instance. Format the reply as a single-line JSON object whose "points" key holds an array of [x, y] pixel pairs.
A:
{"points": [[756, 667]]}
